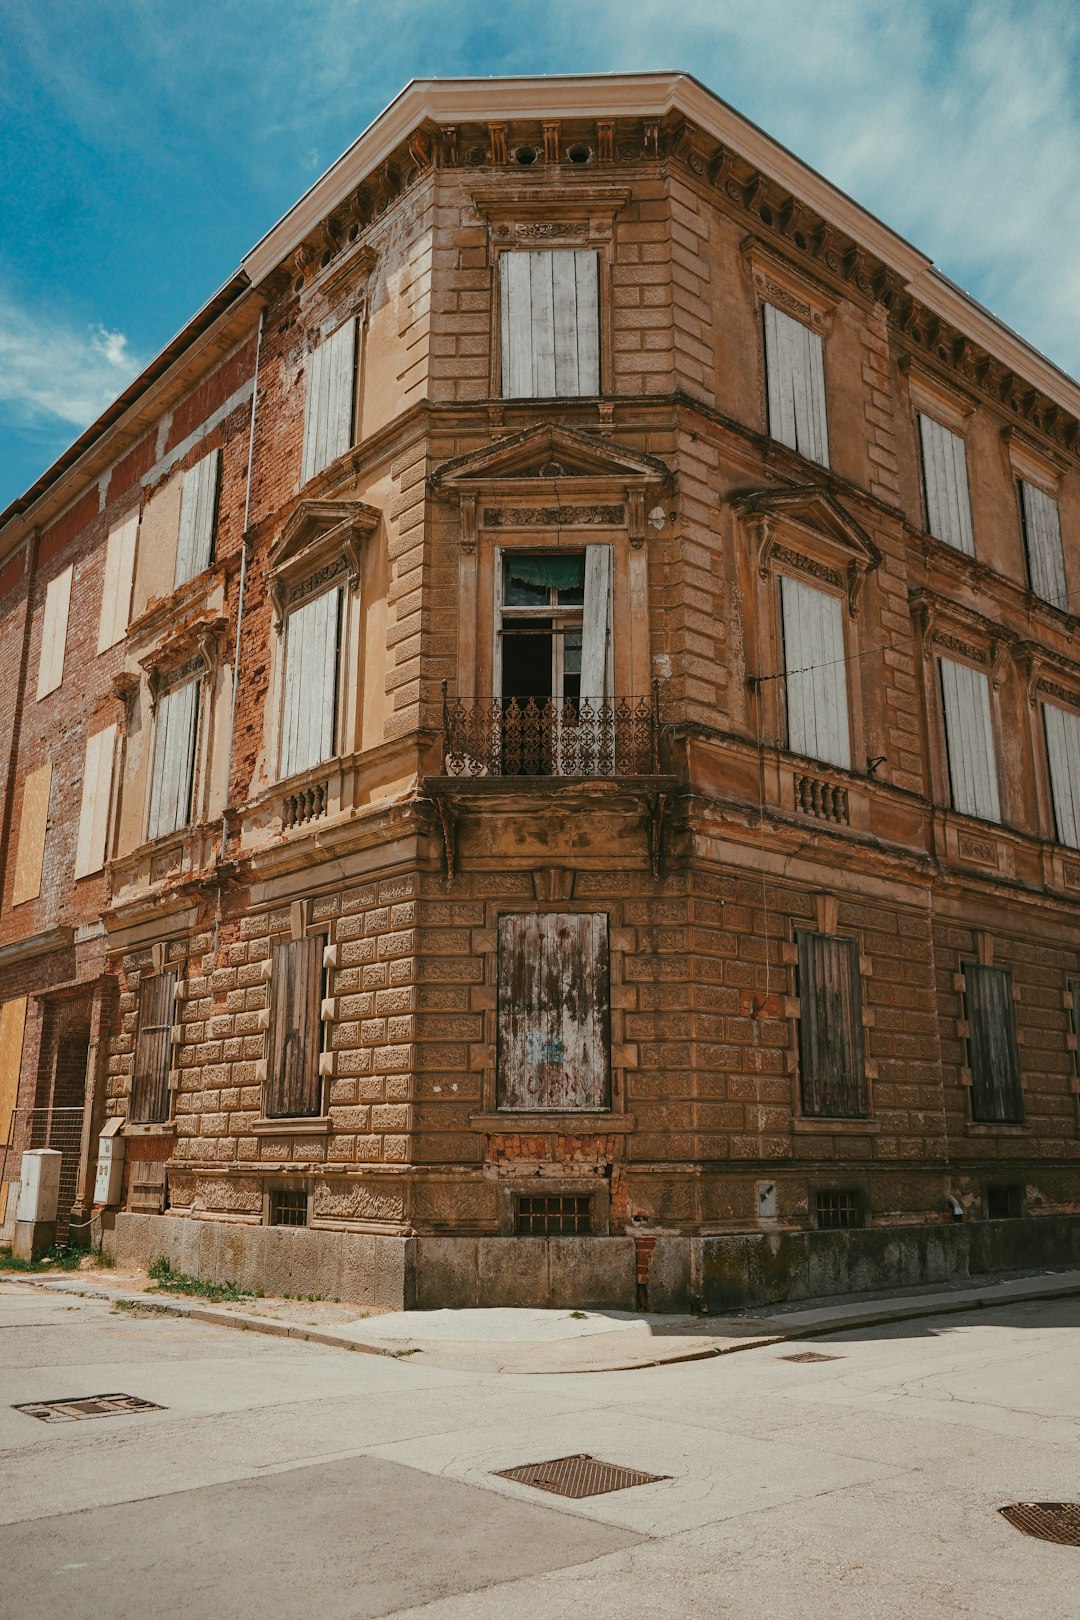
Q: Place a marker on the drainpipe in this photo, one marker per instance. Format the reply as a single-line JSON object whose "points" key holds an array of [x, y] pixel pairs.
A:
{"points": [[245, 547]]}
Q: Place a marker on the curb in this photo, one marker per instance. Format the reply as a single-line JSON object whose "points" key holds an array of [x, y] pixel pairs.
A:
{"points": [[151, 1303]]}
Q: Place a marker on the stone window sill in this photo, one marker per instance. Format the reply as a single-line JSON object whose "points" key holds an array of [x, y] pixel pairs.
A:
{"points": [[981, 1127], [164, 1127], [857, 1127], [305, 1125], [567, 1124]]}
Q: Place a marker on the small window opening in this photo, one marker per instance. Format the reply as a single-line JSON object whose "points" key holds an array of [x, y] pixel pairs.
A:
{"points": [[288, 1206], [579, 153], [525, 155], [1004, 1203], [554, 1216], [839, 1209]]}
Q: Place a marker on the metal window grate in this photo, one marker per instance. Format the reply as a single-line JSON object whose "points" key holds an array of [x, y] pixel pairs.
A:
{"points": [[578, 1476], [87, 1406], [837, 1209], [554, 1215], [1049, 1521], [288, 1206], [1004, 1203]]}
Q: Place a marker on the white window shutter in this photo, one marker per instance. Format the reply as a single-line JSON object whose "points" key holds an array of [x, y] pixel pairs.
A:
{"points": [[948, 504], [795, 376], [1063, 753], [54, 624], [1042, 536], [198, 516], [596, 671], [329, 400], [174, 759], [550, 323], [116, 590], [96, 800], [817, 701], [309, 709], [969, 735]]}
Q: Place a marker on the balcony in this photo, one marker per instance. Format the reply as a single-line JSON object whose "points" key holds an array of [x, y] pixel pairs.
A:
{"points": [[503, 752]]}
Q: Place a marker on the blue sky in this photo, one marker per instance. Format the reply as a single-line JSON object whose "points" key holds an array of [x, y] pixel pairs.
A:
{"points": [[146, 144]]}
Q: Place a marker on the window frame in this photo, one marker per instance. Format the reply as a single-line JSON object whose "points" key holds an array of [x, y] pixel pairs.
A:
{"points": [[160, 1087], [316, 942], [960, 435], [335, 586], [1024, 482], [961, 658], [808, 583], [505, 925], [977, 1080], [503, 302], [813, 385], [859, 1079], [194, 672]]}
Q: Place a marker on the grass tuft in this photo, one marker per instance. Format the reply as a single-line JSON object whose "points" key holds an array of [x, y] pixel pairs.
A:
{"points": [[179, 1282]]}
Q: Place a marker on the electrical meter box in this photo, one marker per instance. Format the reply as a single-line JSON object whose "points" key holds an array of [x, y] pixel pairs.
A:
{"points": [[39, 1188], [108, 1183]]}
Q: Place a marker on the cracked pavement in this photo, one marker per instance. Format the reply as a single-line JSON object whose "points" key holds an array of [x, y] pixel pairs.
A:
{"points": [[298, 1476]]}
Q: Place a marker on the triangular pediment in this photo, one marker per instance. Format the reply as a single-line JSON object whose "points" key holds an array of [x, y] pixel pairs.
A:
{"points": [[548, 453], [314, 521], [814, 511]]}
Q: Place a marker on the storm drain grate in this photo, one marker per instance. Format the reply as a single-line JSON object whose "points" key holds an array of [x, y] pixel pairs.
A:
{"points": [[578, 1476], [87, 1406], [1049, 1521], [811, 1355]]}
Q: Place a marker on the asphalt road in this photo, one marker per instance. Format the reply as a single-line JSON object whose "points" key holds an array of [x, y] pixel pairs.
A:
{"points": [[283, 1479]]}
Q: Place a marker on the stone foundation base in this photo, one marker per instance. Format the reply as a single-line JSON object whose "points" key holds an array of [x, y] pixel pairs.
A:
{"points": [[722, 1273]]}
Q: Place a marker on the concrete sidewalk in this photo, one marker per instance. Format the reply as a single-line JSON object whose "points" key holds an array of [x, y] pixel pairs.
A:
{"points": [[544, 1341]]}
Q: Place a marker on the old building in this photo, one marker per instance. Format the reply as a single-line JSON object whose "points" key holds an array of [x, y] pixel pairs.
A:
{"points": [[541, 737]]}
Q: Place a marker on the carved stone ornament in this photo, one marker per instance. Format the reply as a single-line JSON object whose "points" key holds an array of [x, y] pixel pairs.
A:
{"points": [[1048, 675], [791, 525], [321, 540], [191, 654]]}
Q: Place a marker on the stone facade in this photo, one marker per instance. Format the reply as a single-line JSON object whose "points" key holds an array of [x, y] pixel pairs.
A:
{"points": [[706, 864]]}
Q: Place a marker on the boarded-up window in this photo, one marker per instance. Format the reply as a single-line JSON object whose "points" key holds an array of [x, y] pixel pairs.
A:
{"points": [[96, 800], [329, 403], [969, 738], [293, 1085], [1074, 1018], [1063, 754], [945, 484], [309, 708], [1042, 541], [12, 1024], [116, 589], [198, 517], [795, 374], [33, 824], [550, 324], [175, 727], [553, 1012], [153, 1049], [993, 1055], [54, 633], [816, 683], [831, 1067]]}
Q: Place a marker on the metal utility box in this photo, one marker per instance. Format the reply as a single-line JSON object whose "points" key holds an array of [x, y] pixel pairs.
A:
{"points": [[39, 1188], [109, 1180]]}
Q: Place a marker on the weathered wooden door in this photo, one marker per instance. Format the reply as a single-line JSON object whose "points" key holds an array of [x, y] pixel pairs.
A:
{"points": [[554, 1018]]}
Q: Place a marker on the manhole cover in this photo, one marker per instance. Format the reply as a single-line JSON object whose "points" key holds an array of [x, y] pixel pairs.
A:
{"points": [[1050, 1521], [811, 1355], [86, 1406], [578, 1476]]}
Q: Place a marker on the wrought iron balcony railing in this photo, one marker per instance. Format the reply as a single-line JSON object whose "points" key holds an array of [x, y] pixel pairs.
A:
{"points": [[551, 736]]}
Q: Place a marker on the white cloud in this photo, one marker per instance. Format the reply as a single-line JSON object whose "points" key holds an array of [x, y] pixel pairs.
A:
{"points": [[52, 368]]}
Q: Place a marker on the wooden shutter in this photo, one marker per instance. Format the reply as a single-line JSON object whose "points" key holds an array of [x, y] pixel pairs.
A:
{"points": [[96, 800], [1042, 538], [12, 1025], [553, 1012], [795, 374], [33, 825], [330, 400], [296, 985], [174, 759], [1063, 755], [54, 633], [596, 626], [831, 1066], [116, 589], [198, 516], [948, 505], [309, 710], [550, 307], [153, 1049], [969, 737], [816, 684], [993, 1055]]}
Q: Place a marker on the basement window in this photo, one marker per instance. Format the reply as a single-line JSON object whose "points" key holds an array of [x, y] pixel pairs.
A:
{"points": [[1005, 1202], [288, 1206], [838, 1208], [553, 1215]]}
